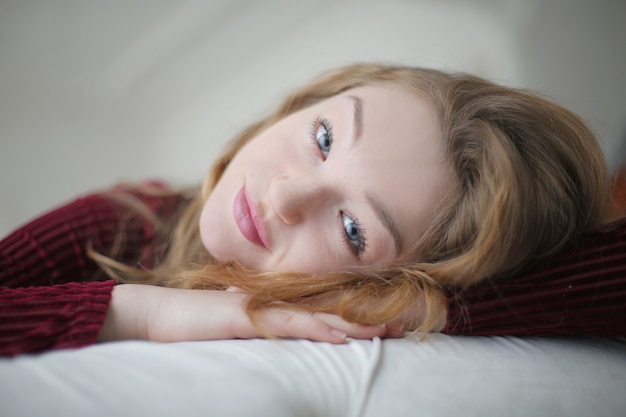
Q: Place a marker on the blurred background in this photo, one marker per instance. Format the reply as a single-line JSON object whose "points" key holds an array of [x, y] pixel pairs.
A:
{"points": [[95, 92]]}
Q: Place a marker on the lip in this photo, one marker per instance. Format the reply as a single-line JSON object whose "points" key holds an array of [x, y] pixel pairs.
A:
{"points": [[248, 219]]}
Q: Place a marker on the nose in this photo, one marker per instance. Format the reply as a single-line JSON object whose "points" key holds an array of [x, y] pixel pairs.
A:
{"points": [[294, 197]]}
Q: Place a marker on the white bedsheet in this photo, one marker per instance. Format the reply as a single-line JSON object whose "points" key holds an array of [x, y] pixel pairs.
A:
{"points": [[440, 376]]}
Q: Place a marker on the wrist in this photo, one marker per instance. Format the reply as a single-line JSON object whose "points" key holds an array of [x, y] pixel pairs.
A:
{"points": [[126, 315]]}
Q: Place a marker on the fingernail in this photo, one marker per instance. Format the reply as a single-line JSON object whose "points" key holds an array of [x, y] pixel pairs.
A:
{"points": [[339, 334]]}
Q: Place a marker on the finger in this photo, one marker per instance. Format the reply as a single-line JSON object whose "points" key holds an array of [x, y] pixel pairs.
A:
{"points": [[354, 330], [301, 325]]}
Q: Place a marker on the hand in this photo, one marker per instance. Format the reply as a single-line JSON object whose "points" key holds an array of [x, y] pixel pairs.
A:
{"points": [[168, 315]]}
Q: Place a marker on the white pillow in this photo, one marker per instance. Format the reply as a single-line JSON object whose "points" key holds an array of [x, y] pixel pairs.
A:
{"points": [[439, 376]]}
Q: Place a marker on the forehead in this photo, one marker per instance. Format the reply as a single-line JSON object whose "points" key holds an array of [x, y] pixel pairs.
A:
{"points": [[408, 113], [399, 158]]}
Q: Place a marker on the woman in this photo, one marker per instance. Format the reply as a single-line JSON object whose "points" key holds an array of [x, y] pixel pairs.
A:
{"points": [[377, 195]]}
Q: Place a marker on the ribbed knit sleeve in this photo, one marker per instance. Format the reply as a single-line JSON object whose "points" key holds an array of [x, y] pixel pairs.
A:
{"points": [[51, 294], [52, 248], [52, 317], [580, 290]]}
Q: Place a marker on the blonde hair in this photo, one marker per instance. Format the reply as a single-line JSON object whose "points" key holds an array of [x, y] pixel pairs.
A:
{"points": [[529, 177]]}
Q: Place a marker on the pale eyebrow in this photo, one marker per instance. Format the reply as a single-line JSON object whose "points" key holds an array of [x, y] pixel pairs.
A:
{"points": [[379, 207], [357, 121], [386, 220]]}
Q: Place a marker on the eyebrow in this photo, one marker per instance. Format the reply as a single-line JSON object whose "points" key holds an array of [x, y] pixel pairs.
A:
{"points": [[358, 117], [385, 219], [379, 207]]}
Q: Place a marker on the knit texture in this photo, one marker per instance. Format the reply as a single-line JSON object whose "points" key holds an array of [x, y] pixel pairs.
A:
{"points": [[582, 290], [53, 296], [59, 316]]}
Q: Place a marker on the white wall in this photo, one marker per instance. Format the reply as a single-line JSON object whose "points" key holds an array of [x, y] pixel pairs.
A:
{"points": [[95, 92]]}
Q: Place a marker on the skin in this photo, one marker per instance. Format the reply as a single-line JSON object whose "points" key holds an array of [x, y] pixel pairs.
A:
{"points": [[304, 195], [163, 314], [307, 198]]}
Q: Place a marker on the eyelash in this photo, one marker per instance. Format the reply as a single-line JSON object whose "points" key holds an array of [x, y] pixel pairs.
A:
{"points": [[362, 243], [328, 127]]}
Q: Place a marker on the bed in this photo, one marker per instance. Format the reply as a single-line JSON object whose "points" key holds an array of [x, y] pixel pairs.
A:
{"points": [[147, 82], [439, 376]]}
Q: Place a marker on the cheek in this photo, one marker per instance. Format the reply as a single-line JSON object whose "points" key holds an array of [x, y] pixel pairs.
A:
{"points": [[211, 231], [313, 251], [216, 221]]}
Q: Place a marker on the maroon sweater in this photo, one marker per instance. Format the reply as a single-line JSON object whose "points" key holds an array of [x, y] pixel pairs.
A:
{"points": [[53, 296]]}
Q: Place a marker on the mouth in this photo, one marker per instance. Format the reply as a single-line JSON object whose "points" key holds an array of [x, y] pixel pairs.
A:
{"points": [[248, 219]]}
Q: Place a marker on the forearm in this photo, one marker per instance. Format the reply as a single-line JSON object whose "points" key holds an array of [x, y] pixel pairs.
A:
{"points": [[576, 308], [579, 291], [166, 314], [169, 315]]}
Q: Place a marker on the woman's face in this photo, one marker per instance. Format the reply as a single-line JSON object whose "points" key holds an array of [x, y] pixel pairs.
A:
{"points": [[348, 183]]}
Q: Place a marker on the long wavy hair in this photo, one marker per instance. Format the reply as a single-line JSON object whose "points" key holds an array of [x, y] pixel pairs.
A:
{"points": [[529, 176]]}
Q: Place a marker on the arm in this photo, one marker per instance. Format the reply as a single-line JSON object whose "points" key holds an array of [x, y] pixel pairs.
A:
{"points": [[45, 302], [51, 249], [54, 317], [581, 290], [169, 315]]}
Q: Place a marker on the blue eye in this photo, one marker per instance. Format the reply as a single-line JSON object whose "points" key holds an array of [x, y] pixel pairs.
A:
{"points": [[323, 137], [353, 233]]}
